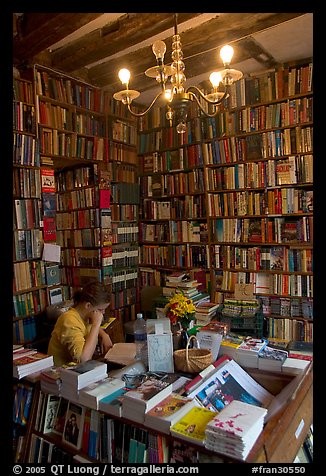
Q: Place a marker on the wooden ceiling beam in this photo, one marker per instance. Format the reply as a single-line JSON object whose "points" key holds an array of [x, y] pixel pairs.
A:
{"points": [[127, 31], [200, 43], [38, 31]]}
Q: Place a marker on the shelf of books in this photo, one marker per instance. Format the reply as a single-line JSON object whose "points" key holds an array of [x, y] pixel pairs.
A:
{"points": [[260, 197], [73, 154], [123, 170], [173, 223], [29, 283], [234, 196]]}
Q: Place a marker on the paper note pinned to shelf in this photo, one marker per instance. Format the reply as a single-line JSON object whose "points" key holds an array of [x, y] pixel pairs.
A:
{"points": [[51, 252]]}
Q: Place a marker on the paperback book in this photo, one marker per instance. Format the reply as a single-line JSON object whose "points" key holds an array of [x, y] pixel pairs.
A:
{"points": [[82, 374], [74, 424], [192, 425], [167, 412], [230, 382], [235, 429], [91, 395], [152, 391]]}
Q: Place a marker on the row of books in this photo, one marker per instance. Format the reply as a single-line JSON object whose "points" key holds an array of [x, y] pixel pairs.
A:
{"points": [[173, 160], [174, 231], [185, 207], [177, 183], [287, 285], [186, 255], [291, 170], [263, 230], [24, 329], [259, 258], [271, 202]]}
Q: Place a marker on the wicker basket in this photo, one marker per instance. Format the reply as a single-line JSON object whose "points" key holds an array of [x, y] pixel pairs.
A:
{"points": [[192, 360]]}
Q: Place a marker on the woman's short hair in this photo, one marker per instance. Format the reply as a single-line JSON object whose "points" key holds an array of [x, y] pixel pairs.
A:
{"points": [[94, 292]]}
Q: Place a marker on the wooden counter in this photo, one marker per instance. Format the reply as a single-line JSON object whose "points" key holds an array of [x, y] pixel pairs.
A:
{"points": [[286, 430]]}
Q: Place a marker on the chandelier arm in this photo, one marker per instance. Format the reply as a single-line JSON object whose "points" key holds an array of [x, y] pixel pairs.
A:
{"points": [[201, 107], [141, 114], [204, 97]]}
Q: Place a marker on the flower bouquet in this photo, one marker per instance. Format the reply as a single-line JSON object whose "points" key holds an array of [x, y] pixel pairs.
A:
{"points": [[180, 309]]}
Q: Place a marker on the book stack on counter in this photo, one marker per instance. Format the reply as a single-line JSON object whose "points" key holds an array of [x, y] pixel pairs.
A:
{"points": [[229, 345], [76, 377], [92, 394], [140, 400], [235, 429], [248, 351], [182, 283], [191, 427], [29, 364], [272, 359], [50, 380], [112, 404], [167, 412], [205, 311]]}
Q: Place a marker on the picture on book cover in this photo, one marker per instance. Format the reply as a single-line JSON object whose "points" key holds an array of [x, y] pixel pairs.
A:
{"points": [[222, 390], [74, 425]]}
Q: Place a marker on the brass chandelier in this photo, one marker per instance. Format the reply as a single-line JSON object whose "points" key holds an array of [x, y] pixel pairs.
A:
{"points": [[178, 99]]}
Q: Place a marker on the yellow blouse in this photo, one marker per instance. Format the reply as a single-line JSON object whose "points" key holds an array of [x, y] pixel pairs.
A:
{"points": [[68, 338]]}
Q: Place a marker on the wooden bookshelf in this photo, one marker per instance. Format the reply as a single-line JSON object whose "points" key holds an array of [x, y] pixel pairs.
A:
{"points": [[246, 179], [29, 285]]}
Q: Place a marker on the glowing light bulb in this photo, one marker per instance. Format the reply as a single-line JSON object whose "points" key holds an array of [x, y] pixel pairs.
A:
{"points": [[226, 54], [124, 75], [159, 49], [168, 94], [215, 78]]}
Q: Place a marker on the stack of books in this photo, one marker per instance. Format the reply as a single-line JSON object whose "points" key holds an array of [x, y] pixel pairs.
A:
{"points": [[112, 404], [229, 345], [167, 412], [140, 400], [181, 282], [79, 376], [50, 380], [191, 427], [235, 429], [205, 311], [92, 394], [29, 364], [272, 359], [248, 351]]}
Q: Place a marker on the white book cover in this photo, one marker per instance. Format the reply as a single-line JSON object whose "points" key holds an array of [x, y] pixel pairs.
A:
{"points": [[238, 419], [84, 373], [92, 394]]}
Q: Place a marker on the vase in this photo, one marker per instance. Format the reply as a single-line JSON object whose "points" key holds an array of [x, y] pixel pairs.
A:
{"points": [[184, 336]]}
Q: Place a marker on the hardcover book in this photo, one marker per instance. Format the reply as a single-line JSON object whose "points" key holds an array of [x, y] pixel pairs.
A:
{"points": [[52, 274]]}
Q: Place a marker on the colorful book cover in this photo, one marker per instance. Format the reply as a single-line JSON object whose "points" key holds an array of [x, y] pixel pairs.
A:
{"points": [[193, 424]]}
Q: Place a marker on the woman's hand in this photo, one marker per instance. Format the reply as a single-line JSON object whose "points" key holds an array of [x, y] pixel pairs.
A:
{"points": [[95, 318]]}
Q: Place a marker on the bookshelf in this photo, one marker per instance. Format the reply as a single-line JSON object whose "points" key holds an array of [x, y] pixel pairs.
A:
{"points": [[123, 168], [73, 150], [29, 285], [244, 182]]}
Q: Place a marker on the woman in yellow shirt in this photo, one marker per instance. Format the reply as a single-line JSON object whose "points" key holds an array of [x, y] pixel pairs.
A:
{"points": [[77, 331]]}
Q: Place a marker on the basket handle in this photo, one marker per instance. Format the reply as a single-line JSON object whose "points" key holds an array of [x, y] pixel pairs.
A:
{"points": [[188, 342]]}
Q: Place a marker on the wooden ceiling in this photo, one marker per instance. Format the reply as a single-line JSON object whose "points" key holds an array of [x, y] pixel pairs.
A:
{"points": [[94, 46]]}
